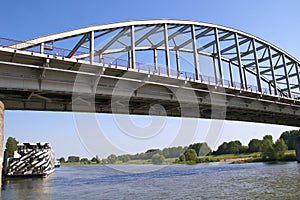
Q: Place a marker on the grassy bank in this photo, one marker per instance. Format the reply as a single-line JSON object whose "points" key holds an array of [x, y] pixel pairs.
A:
{"points": [[137, 162], [229, 157], [233, 158], [289, 155], [239, 158], [78, 163]]}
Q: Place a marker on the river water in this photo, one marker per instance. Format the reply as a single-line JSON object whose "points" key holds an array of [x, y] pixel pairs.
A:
{"points": [[202, 181]]}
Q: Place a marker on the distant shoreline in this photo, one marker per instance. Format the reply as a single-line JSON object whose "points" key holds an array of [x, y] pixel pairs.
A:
{"points": [[231, 158]]}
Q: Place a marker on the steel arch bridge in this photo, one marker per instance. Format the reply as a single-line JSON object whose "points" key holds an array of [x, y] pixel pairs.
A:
{"points": [[255, 80]]}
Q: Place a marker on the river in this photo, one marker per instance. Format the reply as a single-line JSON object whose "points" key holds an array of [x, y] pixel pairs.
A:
{"points": [[202, 181]]}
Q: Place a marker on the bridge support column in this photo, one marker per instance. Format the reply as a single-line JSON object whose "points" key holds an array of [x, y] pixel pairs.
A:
{"points": [[2, 108], [297, 145]]}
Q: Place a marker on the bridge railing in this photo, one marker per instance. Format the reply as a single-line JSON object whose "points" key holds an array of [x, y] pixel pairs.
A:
{"points": [[187, 75], [46, 48], [115, 62], [295, 95], [49, 49], [145, 67], [4, 42]]}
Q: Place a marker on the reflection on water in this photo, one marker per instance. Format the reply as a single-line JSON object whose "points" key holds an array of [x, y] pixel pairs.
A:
{"points": [[203, 181], [29, 188]]}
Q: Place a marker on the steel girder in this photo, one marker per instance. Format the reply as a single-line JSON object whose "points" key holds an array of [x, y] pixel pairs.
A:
{"points": [[207, 52]]}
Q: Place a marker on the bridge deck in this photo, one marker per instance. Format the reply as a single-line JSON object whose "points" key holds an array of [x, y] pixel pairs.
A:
{"points": [[74, 85]]}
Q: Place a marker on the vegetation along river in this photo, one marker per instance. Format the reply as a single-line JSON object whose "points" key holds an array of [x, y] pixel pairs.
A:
{"points": [[201, 181]]}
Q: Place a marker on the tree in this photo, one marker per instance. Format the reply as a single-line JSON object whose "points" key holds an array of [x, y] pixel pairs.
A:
{"points": [[202, 149], [96, 159], [11, 146], [85, 161], [254, 145], [153, 151], [62, 160], [243, 149], [289, 138], [112, 159], [182, 158], [267, 150], [273, 152], [138, 156], [234, 147], [124, 158], [280, 147], [222, 149], [73, 159], [150, 153], [190, 155], [157, 159], [172, 152], [268, 137]]}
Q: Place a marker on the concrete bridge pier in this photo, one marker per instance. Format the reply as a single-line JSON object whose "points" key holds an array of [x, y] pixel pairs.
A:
{"points": [[2, 108], [297, 145]]}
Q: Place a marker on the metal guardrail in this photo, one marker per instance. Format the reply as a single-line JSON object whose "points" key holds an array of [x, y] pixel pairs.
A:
{"points": [[49, 49]]}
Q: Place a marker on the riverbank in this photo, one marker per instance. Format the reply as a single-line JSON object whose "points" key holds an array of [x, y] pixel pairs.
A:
{"points": [[231, 158], [290, 155]]}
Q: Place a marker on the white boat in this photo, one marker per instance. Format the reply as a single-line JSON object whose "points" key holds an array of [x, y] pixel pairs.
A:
{"points": [[31, 159], [57, 163]]}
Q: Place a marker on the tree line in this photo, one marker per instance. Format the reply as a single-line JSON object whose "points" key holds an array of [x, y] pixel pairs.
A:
{"points": [[157, 156], [256, 145], [193, 153], [269, 150]]}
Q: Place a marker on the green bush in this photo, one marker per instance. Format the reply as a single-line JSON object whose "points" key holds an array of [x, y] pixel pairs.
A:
{"points": [[190, 155], [157, 159]]}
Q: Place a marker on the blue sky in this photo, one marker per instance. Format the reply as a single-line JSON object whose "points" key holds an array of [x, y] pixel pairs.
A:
{"points": [[274, 21]]}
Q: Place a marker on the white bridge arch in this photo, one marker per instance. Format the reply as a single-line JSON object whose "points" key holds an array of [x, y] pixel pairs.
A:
{"points": [[271, 66], [245, 66]]}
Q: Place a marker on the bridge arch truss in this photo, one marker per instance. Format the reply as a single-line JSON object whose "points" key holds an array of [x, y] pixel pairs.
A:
{"points": [[196, 51]]}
